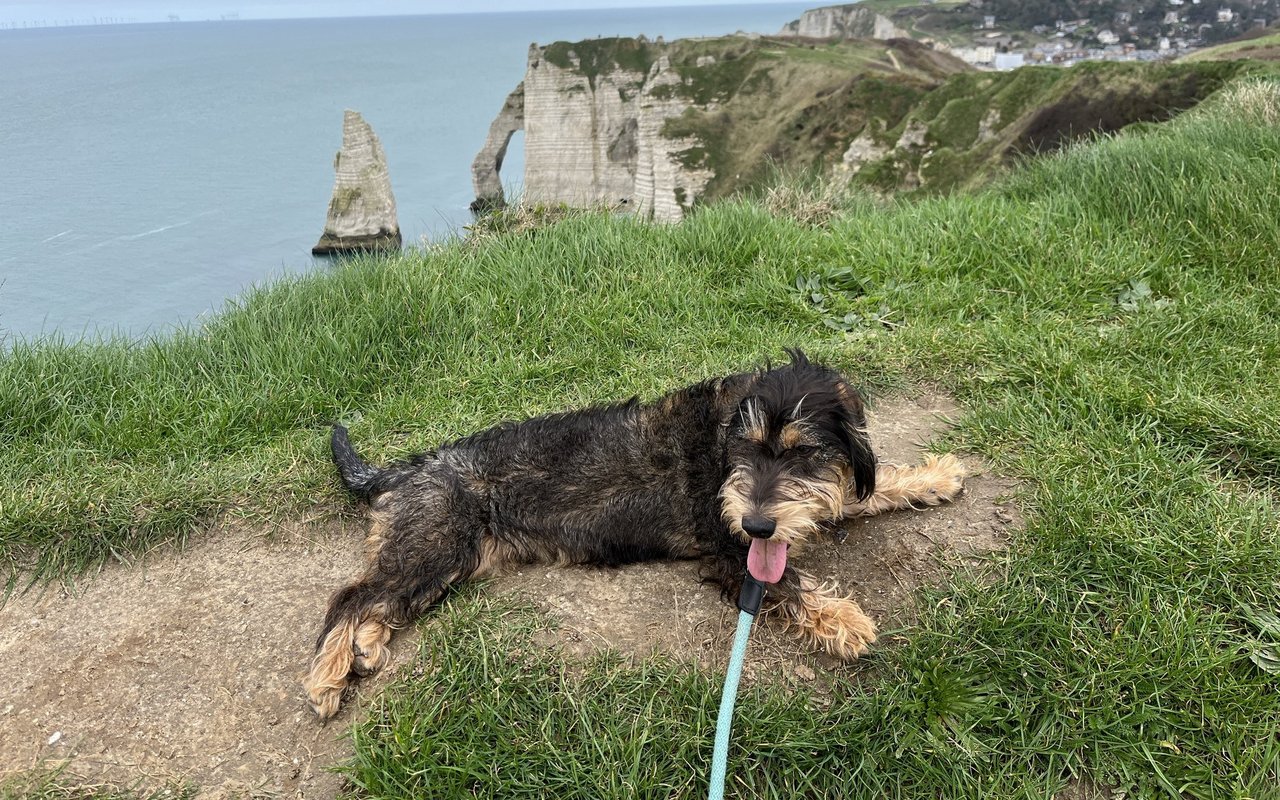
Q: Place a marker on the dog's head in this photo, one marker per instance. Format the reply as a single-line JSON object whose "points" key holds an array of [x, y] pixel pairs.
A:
{"points": [[796, 449]]}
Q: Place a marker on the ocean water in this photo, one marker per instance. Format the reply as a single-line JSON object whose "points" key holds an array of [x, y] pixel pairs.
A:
{"points": [[150, 172]]}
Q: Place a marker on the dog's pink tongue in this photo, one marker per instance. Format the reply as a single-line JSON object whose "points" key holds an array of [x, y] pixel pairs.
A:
{"points": [[766, 560]]}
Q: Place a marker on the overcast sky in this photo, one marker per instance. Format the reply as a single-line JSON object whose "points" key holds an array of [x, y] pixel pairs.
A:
{"points": [[57, 11]]}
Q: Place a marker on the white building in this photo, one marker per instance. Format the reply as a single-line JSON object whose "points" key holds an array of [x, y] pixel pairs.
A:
{"points": [[975, 55], [1009, 60]]}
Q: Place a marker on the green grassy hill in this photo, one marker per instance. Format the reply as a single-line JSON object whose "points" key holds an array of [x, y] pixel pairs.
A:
{"points": [[1109, 315], [923, 120], [1264, 47], [976, 124]]}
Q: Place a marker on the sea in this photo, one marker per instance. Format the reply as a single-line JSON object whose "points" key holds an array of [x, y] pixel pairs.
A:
{"points": [[151, 172]]}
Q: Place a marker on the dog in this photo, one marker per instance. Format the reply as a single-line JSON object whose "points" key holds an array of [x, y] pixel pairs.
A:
{"points": [[737, 471]]}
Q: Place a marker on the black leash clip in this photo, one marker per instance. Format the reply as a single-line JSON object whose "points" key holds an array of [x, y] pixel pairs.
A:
{"points": [[751, 595]]}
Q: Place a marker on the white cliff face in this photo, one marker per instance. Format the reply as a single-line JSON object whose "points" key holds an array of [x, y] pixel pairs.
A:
{"points": [[594, 138], [843, 22], [362, 212], [579, 135], [664, 187], [862, 151]]}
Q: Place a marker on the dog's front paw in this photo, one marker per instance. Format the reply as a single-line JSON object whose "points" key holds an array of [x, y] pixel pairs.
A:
{"points": [[830, 621], [840, 627]]}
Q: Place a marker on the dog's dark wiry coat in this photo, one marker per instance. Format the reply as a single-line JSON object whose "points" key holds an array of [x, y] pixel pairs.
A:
{"points": [[783, 448]]}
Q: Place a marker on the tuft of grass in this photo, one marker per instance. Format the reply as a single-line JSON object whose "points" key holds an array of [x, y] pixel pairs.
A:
{"points": [[810, 200], [1256, 101], [519, 219]]}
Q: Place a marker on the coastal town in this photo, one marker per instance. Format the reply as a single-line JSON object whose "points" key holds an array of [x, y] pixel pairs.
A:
{"points": [[989, 34]]}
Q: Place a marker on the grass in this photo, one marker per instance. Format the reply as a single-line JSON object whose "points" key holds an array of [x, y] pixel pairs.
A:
{"points": [[1265, 47], [1110, 316], [1031, 110]]}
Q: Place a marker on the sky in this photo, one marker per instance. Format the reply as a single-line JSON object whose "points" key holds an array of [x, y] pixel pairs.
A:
{"points": [[86, 11]]}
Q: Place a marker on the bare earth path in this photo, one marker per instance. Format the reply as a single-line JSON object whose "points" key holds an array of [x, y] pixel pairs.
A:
{"points": [[186, 666]]}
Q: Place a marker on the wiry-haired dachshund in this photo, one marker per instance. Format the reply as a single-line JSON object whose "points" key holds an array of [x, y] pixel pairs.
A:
{"points": [[734, 471]]}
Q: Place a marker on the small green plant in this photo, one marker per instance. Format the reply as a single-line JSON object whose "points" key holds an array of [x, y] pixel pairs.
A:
{"points": [[834, 291], [1137, 296], [880, 318], [1264, 652], [817, 288]]}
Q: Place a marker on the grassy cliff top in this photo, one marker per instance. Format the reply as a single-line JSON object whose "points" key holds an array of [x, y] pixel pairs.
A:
{"points": [[1264, 47], [1110, 317]]}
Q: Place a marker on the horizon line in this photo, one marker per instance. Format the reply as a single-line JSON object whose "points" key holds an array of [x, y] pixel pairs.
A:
{"points": [[110, 21]]}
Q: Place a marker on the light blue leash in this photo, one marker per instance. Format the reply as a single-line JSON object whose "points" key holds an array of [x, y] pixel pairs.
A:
{"points": [[749, 603]]}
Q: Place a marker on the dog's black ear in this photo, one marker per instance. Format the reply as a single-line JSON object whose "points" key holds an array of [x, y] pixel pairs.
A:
{"points": [[853, 431], [863, 461]]}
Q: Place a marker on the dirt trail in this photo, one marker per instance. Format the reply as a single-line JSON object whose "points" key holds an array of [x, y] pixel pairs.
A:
{"points": [[186, 666]]}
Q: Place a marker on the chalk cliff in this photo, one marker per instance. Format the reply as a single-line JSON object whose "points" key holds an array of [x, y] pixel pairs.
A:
{"points": [[362, 212], [593, 115], [850, 21], [659, 127], [656, 127]]}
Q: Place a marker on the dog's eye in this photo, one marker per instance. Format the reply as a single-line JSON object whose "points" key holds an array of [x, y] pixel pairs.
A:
{"points": [[804, 450]]}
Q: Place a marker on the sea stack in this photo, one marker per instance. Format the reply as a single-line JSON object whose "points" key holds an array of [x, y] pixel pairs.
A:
{"points": [[362, 213]]}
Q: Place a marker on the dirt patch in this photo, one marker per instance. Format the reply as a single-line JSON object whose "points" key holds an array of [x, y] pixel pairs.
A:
{"points": [[187, 666], [184, 668]]}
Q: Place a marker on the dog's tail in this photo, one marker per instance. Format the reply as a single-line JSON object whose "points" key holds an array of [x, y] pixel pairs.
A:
{"points": [[359, 476]]}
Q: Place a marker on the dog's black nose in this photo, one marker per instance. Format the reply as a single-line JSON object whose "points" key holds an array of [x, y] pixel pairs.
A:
{"points": [[758, 526]]}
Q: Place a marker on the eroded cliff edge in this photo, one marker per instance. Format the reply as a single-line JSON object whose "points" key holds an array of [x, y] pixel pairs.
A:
{"points": [[656, 127], [593, 114]]}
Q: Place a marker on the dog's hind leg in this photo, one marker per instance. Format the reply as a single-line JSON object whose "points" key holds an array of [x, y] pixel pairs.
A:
{"points": [[353, 641], [938, 480], [418, 557]]}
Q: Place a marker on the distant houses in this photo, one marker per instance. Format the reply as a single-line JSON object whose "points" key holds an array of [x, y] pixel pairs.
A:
{"points": [[1005, 61]]}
